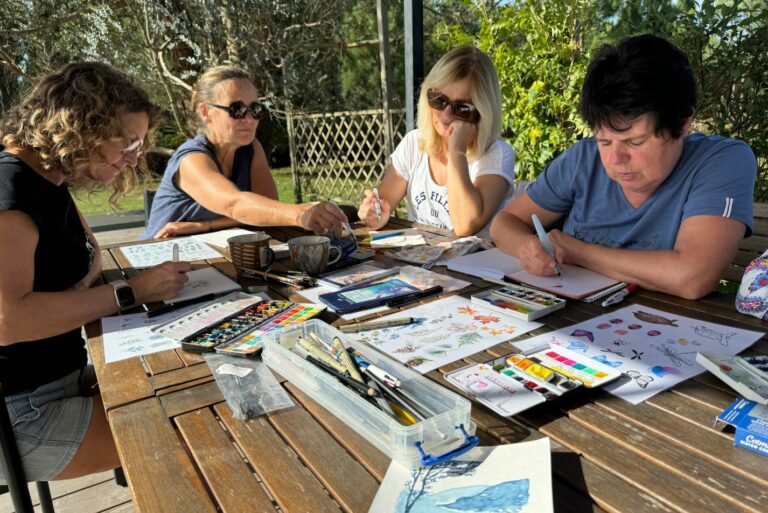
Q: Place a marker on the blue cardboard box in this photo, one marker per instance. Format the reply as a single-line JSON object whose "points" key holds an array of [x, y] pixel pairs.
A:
{"points": [[751, 422]]}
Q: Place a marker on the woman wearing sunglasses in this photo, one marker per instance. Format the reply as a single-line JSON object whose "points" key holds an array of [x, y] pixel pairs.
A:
{"points": [[454, 169], [221, 178], [83, 125]]}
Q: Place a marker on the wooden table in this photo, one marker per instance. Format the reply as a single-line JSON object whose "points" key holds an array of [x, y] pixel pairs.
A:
{"points": [[182, 450]]}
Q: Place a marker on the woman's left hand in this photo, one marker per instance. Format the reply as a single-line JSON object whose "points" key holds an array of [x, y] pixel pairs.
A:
{"points": [[460, 136]]}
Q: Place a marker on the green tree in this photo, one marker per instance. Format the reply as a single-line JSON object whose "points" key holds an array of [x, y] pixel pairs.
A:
{"points": [[540, 50]]}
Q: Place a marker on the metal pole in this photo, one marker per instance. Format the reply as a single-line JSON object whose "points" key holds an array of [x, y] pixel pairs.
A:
{"points": [[386, 80], [414, 57]]}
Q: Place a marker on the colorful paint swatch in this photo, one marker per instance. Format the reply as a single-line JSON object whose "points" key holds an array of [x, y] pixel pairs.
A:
{"points": [[586, 370], [251, 342]]}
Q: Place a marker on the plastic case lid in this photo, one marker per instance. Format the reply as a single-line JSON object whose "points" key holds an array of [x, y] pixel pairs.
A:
{"points": [[437, 438]]}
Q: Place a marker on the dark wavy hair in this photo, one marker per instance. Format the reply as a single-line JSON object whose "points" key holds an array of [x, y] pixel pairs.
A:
{"points": [[641, 75], [71, 113]]}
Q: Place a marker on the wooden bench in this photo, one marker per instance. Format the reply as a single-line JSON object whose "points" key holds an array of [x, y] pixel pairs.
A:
{"points": [[751, 247]]}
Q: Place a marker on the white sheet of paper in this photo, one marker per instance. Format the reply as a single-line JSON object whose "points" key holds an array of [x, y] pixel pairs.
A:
{"points": [[576, 281], [510, 478], [410, 237], [220, 237], [204, 281], [444, 331], [126, 336], [147, 255], [654, 349]]}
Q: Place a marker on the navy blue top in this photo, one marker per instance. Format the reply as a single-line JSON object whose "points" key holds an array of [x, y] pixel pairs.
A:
{"points": [[173, 204]]}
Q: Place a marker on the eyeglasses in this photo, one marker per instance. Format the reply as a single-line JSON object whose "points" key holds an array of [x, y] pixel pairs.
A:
{"points": [[133, 149], [238, 109], [462, 110]]}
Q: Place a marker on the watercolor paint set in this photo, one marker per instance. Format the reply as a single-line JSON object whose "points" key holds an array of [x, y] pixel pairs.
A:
{"points": [[515, 382], [234, 324], [521, 302], [252, 342]]}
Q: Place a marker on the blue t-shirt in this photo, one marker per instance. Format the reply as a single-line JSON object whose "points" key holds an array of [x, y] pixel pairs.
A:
{"points": [[714, 176], [173, 204]]}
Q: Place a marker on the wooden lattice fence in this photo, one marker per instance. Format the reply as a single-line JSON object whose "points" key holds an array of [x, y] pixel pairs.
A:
{"points": [[337, 155]]}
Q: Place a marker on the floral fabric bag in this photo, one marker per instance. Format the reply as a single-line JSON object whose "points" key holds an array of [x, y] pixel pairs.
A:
{"points": [[752, 298]]}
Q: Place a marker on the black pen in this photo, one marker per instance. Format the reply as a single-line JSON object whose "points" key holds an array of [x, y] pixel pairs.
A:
{"points": [[416, 296], [180, 304]]}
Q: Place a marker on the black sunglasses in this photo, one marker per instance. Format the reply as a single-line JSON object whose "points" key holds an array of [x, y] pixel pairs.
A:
{"points": [[238, 109], [462, 110]]}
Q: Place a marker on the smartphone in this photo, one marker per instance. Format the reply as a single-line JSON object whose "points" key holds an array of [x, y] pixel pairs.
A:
{"points": [[367, 296]]}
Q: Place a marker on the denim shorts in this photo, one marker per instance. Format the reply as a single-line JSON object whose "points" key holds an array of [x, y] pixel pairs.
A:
{"points": [[50, 423]]}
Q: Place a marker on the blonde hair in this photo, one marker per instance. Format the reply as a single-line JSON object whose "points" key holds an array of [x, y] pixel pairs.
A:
{"points": [[460, 63], [71, 113], [205, 88]]}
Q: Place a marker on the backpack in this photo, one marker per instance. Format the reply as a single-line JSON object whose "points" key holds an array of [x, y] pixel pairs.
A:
{"points": [[752, 297]]}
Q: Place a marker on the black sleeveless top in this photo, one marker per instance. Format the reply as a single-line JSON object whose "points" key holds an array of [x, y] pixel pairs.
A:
{"points": [[62, 258]]}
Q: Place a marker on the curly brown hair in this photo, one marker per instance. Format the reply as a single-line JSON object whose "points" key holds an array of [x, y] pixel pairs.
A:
{"points": [[71, 113]]}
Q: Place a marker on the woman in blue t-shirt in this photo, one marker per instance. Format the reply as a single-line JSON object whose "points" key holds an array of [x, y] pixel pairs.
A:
{"points": [[83, 125], [221, 178]]}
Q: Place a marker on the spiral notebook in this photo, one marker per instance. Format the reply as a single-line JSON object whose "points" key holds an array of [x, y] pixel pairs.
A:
{"points": [[576, 282]]}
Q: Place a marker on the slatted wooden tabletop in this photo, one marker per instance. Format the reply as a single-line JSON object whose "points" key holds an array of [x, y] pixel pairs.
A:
{"points": [[182, 450]]}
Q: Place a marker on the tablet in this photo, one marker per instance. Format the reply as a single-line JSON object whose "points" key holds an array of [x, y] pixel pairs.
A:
{"points": [[367, 296]]}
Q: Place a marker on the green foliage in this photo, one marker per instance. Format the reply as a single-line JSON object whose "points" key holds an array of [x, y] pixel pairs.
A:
{"points": [[540, 50]]}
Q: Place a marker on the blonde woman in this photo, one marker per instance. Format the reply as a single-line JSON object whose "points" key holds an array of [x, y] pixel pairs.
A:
{"points": [[221, 178], [454, 169], [84, 125]]}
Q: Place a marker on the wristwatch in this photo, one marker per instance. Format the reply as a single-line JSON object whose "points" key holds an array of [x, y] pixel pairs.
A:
{"points": [[124, 297]]}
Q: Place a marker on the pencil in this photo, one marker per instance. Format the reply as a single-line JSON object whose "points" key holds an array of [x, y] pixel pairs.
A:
{"points": [[175, 252], [375, 325]]}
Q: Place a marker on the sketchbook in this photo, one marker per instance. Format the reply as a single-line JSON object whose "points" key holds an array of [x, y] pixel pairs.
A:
{"points": [[575, 282]]}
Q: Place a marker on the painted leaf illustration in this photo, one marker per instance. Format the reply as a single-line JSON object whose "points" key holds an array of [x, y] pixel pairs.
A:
{"points": [[485, 319], [408, 348], [416, 361], [467, 310], [468, 339]]}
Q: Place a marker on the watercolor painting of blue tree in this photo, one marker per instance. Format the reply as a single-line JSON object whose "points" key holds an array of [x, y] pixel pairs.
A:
{"points": [[418, 496]]}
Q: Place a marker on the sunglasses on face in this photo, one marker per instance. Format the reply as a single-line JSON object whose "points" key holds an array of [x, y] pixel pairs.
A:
{"points": [[133, 149], [238, 109], [462, 110]]}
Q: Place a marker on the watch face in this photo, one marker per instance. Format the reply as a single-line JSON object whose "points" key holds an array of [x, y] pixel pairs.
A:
{"points": [[124, 296]]}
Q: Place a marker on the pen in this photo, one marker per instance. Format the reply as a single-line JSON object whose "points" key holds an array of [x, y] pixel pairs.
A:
{"points": [[380, 373], [375, 325], [416, 296], [377, 203], [383, 236], [545, 242], [175, 252], [619, 296], [179, 304]]}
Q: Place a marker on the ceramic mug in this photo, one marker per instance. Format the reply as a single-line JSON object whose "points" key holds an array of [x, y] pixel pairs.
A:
{"points": [[250, 251], [310, 254]]}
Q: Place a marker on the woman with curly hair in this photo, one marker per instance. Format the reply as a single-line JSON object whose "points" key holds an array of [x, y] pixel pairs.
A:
{"points": [[83, 125]]}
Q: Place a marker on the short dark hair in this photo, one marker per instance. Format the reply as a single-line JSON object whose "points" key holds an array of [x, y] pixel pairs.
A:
{"points": [[641, 75]]}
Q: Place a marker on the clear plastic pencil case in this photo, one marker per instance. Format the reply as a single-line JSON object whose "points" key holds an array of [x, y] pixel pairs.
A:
{"points": [[445, 434]]}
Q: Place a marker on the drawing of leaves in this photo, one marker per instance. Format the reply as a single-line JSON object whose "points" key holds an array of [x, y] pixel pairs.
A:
{"points": [[468, 339], [428, 340], [408, 348], [466, 310], [485, 319], [416, 361]]}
